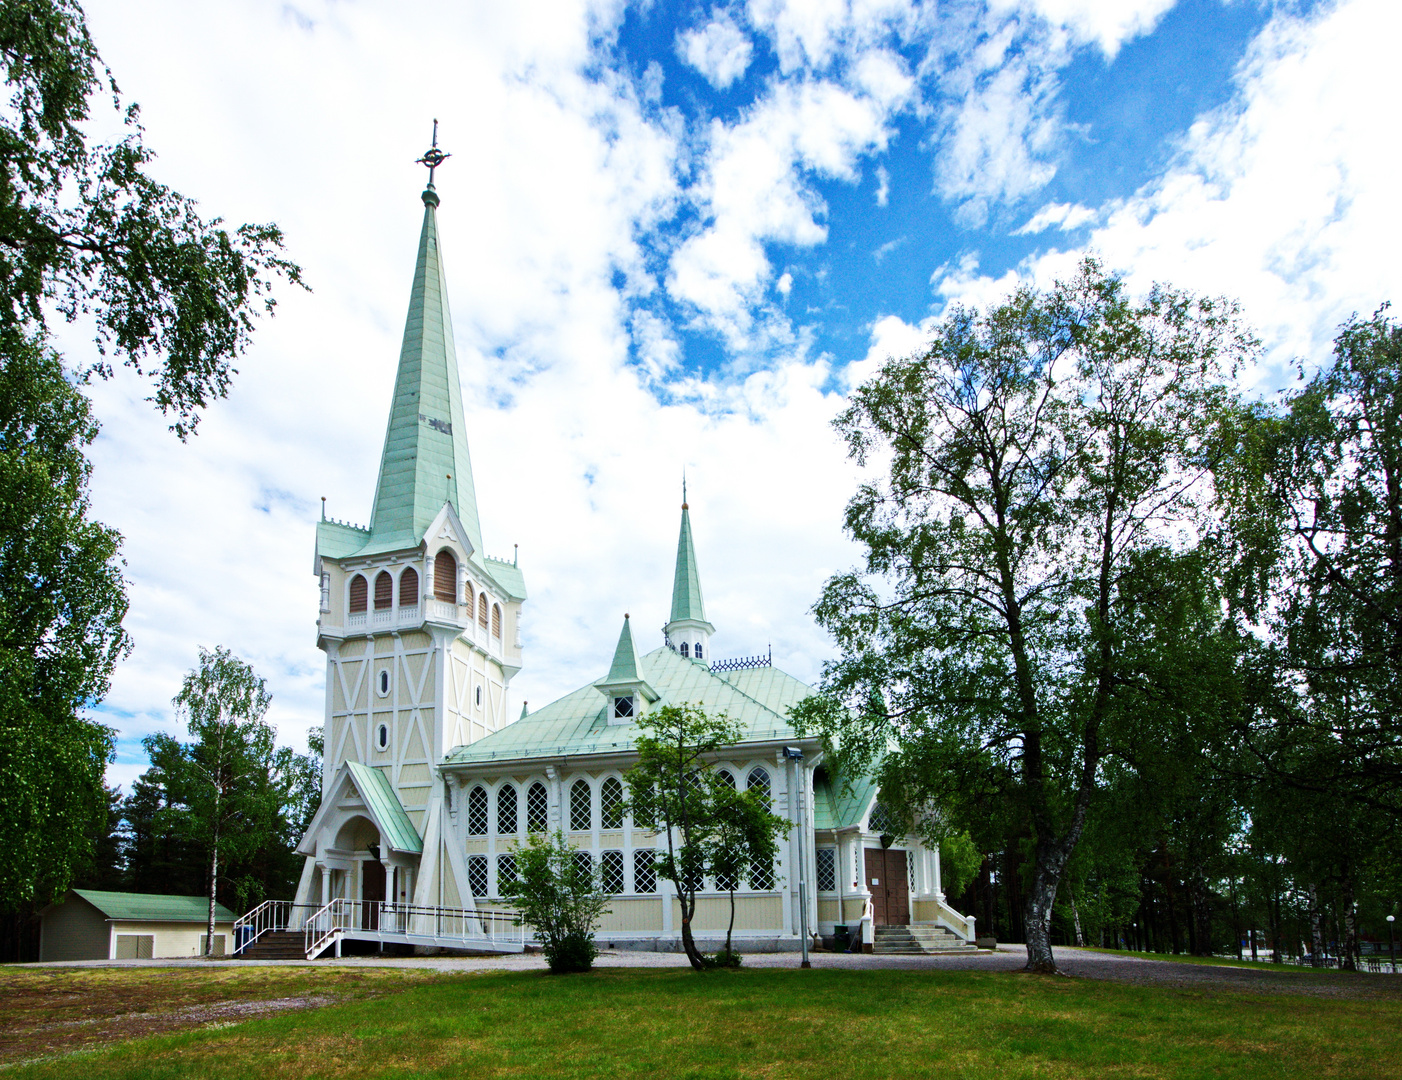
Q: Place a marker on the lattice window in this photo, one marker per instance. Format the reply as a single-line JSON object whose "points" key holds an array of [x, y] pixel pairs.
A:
{"points": [[726, 776], [623, 707], [482, 611], [761, 877], [409, 588], [506, 872], [359, 592], [445, 577], [506, 810], [611, 803], [537, 808], [581, 806], [880, 820], [725, 882], [477, 811], [910, 870], [477, 875], [644, 871], [759, 780], [496, 620], [583, 863], [611, 869], [384, 591], [826, 866]]}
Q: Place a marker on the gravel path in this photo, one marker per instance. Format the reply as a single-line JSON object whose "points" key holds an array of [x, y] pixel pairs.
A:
{"points": [[1075, 963]]}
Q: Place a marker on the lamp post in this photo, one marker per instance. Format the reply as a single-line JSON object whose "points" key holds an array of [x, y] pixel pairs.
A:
{"points": [[794, 756], [1392, 943]]}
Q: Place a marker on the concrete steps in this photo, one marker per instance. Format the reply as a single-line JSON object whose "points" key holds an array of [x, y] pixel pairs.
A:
{"points": [[918, 941], [277, 945]]}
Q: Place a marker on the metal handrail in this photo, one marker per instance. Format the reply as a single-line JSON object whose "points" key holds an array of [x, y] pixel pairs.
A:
{"points": [[268, 916], [466, 925]]}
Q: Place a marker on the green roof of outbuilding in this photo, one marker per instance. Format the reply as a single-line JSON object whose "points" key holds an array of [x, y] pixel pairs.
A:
{"points": [[686, 580], [577, 723], [154, 907], [425, 461], [395, 827]]}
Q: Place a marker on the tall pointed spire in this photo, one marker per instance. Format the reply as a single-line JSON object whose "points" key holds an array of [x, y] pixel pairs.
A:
{"points": [[688, 628], [425, 462]]}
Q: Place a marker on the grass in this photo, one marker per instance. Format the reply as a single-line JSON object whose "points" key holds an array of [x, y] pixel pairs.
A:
{"points": [[1215, 961], [777, 1023]]}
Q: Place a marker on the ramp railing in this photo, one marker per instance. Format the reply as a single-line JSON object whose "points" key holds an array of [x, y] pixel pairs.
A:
{"points": [[387, 921], [267, 916]]}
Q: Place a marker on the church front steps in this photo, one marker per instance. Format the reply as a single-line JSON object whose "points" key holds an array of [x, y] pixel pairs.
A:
{"points": [[918, 941], [277, 945]]}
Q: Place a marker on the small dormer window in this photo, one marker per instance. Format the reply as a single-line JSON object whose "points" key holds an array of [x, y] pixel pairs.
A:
{"points": [[623, 707], [686, 649], [698, 650]]}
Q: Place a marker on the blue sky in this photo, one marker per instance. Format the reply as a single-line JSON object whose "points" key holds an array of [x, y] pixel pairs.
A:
{"points": [[675, 237]]}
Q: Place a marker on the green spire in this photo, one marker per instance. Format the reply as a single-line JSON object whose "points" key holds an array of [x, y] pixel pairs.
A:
{"points": [[625, 667], [425, 461], [686, 583]]}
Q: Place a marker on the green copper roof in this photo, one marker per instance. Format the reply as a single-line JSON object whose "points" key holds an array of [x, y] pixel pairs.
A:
{"points": [[626, 666], [395, 827], [577, 723], [153, 907], [686, 583], [425, 461]]}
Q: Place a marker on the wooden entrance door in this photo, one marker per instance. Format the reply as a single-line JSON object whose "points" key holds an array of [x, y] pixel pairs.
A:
{"points": [[890, 888], [372, 892]]}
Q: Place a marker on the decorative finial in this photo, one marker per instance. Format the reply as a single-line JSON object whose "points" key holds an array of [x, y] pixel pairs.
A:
{"points": [[323, 508], [684, 506], [433, 157], [625, 615]]}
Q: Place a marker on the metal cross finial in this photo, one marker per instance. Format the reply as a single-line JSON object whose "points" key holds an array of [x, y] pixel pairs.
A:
{"points": [[433, 157]]}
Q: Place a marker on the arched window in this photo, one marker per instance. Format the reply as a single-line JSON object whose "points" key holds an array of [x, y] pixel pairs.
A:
{"points": [[359, 594], [726, 777], [880, 820], [496, 620], [409, 588], [698, 650], [384, 591], [581, 806], [611, 803], [686, 649], [759, 780], [445, 577], [482, 610], [506, 810], [537, 808], [477, 811]]}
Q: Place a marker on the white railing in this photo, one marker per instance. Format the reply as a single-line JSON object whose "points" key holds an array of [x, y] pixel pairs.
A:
{"points": [[449, 926], [357, 621], [441, 609], [267, 916], [959, 924]]}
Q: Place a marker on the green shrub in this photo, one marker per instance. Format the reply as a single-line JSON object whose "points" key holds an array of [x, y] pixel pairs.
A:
{"points": [[560, 897], [728, 958]]}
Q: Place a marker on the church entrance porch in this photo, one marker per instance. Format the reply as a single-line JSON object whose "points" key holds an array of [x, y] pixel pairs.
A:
{"points": [[888, 880]]}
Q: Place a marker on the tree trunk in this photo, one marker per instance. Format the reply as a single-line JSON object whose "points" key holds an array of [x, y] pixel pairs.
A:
{"points": [[731, 927], [213, 888], [1349, 946], [693, 954], [1076, 919], [1050, 861], [1316, 928], [1201, 914]]}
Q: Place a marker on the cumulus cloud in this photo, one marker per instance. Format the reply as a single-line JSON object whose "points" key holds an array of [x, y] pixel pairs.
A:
{"points": [[720, 50], [1063, 216], [1107, 23]]}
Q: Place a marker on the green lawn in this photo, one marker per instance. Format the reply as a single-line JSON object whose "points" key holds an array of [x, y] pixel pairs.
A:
{"points": [[779, 1023]]}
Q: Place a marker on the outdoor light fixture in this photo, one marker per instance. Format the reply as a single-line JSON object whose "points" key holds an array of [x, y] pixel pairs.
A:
{"points": [[1392, 943], [374, 850], [793, 753]]}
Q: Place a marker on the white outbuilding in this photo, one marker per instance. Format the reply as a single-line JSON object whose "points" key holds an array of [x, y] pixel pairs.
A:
{"points": [[91, 925]]}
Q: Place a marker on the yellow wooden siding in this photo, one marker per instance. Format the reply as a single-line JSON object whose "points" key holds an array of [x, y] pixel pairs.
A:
{"points": [[751, 913], [633, 914]]}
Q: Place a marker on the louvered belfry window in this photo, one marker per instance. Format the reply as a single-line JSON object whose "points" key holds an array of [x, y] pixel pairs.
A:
{"points": [[482, 610], [409, 588], [359, 594], [496, 620], [384, 591], [445, 577]]}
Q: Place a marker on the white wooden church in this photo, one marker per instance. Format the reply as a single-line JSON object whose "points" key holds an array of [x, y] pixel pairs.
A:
{"points": [[430, 786]]}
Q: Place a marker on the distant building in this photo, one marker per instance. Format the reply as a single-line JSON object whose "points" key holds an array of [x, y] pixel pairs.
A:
{"points": [[91, 925]]}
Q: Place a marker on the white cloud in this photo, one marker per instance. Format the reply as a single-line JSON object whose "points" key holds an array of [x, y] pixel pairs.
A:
{"points": [[1063, 216], [1107, 23], [720, 51], [883, 186], [1285, 198]]}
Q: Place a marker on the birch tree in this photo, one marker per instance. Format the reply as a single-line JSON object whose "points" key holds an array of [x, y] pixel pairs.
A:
{"points": [[1044, 467]]}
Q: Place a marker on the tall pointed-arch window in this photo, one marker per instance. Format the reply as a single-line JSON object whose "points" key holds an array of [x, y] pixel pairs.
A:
{"points": [[496, 620], [409, 588], [759, 781], [477, 811], [506, 810], [581, 806], [537, 808], [611, 803], [359, 594], [698, 650], [445, 577], [686, 649], [384, 591], [482, 610]]}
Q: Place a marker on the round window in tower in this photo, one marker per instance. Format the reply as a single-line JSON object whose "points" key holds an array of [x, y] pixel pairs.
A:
{"points": [[382, 737], [384, 682]]}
